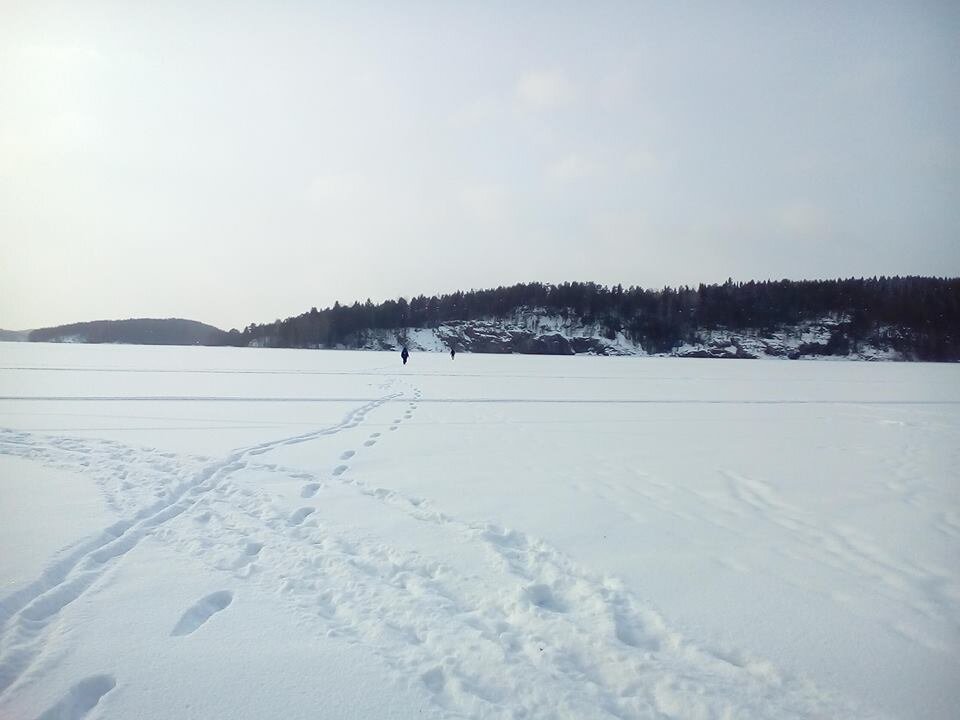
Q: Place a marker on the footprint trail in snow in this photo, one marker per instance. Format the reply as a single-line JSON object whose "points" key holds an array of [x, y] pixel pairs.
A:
{"points": [[526, 632]]}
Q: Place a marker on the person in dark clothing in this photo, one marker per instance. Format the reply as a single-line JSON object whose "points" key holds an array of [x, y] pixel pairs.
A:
{"points": [[453, 352], [404, 355]]}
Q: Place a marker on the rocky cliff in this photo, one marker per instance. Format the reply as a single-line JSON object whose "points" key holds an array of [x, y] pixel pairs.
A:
{"points": [[553, 335]]}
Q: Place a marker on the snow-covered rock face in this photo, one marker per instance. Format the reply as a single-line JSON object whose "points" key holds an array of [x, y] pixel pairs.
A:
{"points": [[823, 338], [491, 336], [541, 334], [69, 339]]}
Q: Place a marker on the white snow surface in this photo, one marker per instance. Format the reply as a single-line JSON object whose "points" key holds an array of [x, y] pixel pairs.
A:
{"points": [[249, 533]]}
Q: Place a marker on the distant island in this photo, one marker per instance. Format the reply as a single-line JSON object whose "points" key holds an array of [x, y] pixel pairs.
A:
{"points": [[140, 331], [895, 318], [14, 335]]}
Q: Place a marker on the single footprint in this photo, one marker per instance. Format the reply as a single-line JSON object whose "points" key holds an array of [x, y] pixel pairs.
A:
{"points": [[396, 420], [201, 611], [309, 490], [542, 596], [434, 680], [299, 516], [81, 698], [393, 427], [347, 454], [374, 435], [253, 548], [339, 469], [369, 443]]}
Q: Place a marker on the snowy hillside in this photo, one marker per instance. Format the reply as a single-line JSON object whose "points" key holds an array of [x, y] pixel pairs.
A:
{"points": [[248, 534], [539, 334]]}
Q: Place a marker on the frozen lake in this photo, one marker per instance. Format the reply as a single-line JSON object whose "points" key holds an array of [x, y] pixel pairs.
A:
{"points": [[219, 532]]}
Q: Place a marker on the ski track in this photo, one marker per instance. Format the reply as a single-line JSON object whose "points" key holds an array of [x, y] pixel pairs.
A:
{"points": [[906, 402], [929, 594], [550, 639]]}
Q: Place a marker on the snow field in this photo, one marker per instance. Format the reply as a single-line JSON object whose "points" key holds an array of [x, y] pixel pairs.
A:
{"points": [[788, 556]]}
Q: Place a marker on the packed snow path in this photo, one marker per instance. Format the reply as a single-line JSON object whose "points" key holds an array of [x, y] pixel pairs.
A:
{"points": [[469, 616]]}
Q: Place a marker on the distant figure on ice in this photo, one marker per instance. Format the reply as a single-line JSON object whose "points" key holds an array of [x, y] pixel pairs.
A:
{"points": [[404, 355], [453, 352]]}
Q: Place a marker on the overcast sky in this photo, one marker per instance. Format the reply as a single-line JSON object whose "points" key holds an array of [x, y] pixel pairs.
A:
{"points": [[237, 162]]}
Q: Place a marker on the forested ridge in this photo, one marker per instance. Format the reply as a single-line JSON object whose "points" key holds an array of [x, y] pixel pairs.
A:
{"points": [[919, 316], [139, 331]]}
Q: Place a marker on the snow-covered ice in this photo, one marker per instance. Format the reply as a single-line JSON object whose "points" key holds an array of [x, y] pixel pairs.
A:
{"points": [[248, 533]]}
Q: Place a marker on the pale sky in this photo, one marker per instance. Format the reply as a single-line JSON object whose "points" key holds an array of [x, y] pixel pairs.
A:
{"points": [[235, 162]]}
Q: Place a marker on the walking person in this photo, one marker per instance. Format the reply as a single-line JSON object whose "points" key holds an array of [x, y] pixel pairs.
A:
{"points": [[404, 355]]}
